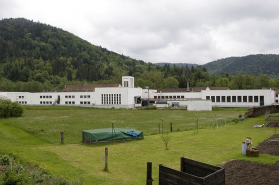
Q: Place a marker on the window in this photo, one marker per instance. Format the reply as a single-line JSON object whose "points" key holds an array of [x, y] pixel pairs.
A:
{"points": [[208, 97], [40, 96], [125, 83], [250, 98], [228, 99], [44, 97], [276, 95], [167, 96], [233, 98], [81, 102], [155, 97], [81, 96], [88, 96], [73, 96], [88, 102], [256, 99], [178, 96], [44, 102], [73, 102], [170, 96], [47, 102], [223, 98], [244, 98], [182, 96], [50, 102], [25, 102], [276, 101], [50, 96], [66, 102], [19, 102], [217, 98], [119, 98], [70, 102], [174, 96], [213, 98], [41, 102], [262, 99], [66, 96], [70, 96], [84, 102], [239, 99]]}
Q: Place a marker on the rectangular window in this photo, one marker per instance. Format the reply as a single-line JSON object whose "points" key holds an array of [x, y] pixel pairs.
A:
{"points": [[50, 96], [81, 96], [208, 97], [46, 96], [22, 96], [50, 102], [217, 98], [162, 96], [244, 98], [73, 96], [228, 99], [276, 95], [276, 101], [182, 96], [70, 96], [73, 102], [170, 96], [44, 102], [223, 98], [26, 102], [262, 100], [47, 102], [106, 98], [119, 98], [256, 99], [167, 96], [81, 102], [88, 96], [19, 102], [178, 96], [40, 96], [114, 99], [233, 98], [155, 97], [239, 99], [84, 102], [41, 102], [88, 102], [66, 96], [213, 98], [174, 96], [250, 98], [70, 102], [66, 102]]}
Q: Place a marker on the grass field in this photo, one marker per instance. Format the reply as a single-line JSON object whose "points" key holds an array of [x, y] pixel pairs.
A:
{"points": [[36, 137]]}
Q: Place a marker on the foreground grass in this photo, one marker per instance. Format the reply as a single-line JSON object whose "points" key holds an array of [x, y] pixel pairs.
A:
{"points": [[127, 160]]}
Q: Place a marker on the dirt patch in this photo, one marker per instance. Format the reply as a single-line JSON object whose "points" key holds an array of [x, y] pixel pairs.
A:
{"points": [[248, 173]]}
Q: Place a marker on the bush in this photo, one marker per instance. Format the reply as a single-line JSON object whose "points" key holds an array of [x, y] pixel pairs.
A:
{"points": [[10, 109]]}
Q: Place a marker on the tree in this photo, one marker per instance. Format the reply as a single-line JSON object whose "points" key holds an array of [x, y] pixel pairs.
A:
{"points": [[171, 82]]}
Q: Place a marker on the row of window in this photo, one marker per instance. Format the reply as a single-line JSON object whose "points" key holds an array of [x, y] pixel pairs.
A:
{"points": [[70, 102], [45, 102], [235, 98], [85, 102], [20, 96], [158, 97], [70, 96], [111, 99], [84, 96], [45, 96], [22, 102]]}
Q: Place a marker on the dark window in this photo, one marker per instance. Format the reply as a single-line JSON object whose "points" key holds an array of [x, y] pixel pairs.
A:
{"points": [[155, 97], [208, 97], [182, 96], [170, 96], [81, 96], [81, 102], [250, 98], [174, 96], [233, 98], [228, 99], [178, 96], [244, 98], [40, 96], [217, 98], [256, 99], [167, 96], [239, 99], [73, 102], [50, 96], [213, 98], [223, 98]]}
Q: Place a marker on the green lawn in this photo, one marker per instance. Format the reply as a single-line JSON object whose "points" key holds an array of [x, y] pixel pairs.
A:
{"points": [[36, 137]]}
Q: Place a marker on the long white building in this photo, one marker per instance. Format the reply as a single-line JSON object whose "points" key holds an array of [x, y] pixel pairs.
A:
{"points": [[128, 96]]}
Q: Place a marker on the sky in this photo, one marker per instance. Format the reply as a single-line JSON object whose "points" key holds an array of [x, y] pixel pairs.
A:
{"points": [[172, 31]]}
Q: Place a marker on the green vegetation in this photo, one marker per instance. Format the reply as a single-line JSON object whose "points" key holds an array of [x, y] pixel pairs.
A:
{"points": [[10, 109], [35, 137], [36, 57]]}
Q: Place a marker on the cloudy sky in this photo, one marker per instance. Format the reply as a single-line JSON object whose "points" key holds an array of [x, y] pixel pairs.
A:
{"points": [[173, 31]]}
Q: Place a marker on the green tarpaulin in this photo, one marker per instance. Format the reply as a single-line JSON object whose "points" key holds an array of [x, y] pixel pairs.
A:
{"points": [[110, 134]]}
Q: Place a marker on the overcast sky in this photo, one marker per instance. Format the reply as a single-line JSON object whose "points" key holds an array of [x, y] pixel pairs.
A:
{"points": [[173, 31]]}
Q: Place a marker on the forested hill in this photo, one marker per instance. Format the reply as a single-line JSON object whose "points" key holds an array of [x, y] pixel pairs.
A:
{"points": [[251, 64], [35, 51]]}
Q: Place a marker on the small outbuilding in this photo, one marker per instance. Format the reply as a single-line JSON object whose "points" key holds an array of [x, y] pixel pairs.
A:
{"points": [[110, 135]]}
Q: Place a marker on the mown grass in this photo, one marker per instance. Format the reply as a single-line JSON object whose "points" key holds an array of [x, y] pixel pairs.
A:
{"points": [[36, 137]]}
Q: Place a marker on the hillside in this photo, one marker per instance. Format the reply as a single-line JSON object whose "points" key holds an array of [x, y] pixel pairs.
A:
{"points": [[251, 64]]}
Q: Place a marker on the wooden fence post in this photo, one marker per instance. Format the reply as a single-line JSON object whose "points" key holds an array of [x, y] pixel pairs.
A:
{"points": [[159, 127], [62, 137], [149, 174], [171, 127], [106, 159]]}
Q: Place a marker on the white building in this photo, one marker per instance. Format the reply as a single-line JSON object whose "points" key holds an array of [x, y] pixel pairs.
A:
{"points": [[127, 96]]}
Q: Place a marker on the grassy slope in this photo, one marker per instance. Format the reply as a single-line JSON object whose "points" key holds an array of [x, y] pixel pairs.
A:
{"points": [[127, 160]]}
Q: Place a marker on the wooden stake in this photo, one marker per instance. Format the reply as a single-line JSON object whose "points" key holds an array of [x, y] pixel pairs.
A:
{"points": [[159, 127], [149, 174], [106, 158], [171, 127], [62, 137]]}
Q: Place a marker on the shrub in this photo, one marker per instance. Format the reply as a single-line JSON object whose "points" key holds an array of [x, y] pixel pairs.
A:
{"points": [[10, 109]]}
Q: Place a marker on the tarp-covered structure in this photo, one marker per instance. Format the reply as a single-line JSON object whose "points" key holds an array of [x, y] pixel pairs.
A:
{"points": [[110, 134]]}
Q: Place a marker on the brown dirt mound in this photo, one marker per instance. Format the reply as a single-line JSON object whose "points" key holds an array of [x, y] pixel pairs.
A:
{"points": [[249, 173]]}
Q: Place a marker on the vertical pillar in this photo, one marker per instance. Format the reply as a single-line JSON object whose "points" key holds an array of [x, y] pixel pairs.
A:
{"points": [[62, 137]]}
